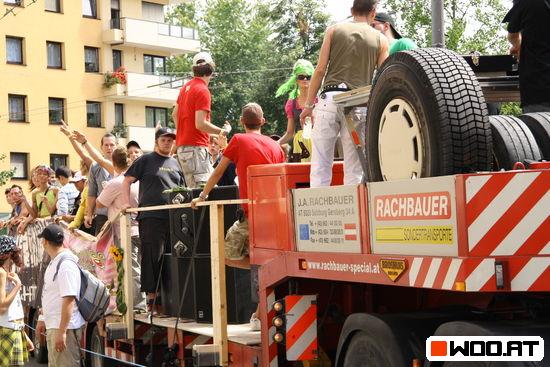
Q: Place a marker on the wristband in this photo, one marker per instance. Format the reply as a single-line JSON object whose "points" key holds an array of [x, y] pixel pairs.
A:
{"points": [[310, 106], [40, 317], [203, 196]]}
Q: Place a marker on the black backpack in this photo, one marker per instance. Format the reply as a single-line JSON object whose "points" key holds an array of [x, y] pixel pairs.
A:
{"points": [[94, 296]]}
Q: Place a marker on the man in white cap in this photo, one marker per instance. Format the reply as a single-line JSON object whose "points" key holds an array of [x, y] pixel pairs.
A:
{"points": [[192, 117]]}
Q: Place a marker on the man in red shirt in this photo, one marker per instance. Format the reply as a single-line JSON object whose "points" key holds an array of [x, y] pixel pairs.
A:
{"points": [[192, 113], [249, 149]]}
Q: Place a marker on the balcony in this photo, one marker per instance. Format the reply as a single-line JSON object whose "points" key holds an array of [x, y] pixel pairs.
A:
{"points": [[152, 36], [147, 87]]}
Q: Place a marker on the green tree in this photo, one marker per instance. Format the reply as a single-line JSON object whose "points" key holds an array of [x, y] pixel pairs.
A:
{"points": [[254, 51], [5, 176], [470, 25]]}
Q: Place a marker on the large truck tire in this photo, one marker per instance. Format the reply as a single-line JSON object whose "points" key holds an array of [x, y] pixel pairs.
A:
{"points": [[539, 124], [426, 117], [512, 142]]}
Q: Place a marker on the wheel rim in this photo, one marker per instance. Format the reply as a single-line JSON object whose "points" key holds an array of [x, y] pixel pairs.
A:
{"points": [[400, 144], [96, 347]]}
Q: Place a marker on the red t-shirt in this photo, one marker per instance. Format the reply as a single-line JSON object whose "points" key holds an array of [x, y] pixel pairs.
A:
{"points": [[248, 150], [194, 96]]}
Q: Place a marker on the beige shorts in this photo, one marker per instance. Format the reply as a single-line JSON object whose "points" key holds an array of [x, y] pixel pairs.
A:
{"points": [[236, 241], [195, 164]]}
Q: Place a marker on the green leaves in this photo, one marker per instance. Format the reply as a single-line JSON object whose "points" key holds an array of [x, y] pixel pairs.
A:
{"points": [[470, 25], [6, 175], [254, 44]]}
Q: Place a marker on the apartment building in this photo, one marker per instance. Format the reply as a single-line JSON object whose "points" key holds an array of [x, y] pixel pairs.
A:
{"points": [[54, 56]]}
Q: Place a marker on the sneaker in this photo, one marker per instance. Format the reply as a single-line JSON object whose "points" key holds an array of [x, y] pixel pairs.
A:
{"points": [[254, 323]]}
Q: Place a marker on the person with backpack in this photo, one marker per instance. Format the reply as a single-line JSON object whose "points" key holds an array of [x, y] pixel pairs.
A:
{"points": [[60, 315]]}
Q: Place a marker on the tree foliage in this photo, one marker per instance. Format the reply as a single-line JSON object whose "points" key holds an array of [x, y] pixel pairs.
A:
{"points": [[470, 25], [5, 176], [254, 45]]}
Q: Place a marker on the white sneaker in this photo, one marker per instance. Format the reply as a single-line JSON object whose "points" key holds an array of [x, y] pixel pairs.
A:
{"points": [[254, 323]]}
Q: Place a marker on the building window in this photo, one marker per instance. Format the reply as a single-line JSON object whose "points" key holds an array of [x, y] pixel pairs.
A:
{"points": [[14, 2], [119, 114], [55, 59], [117, 59], [93, 114], [91, 59], [14, 50], [152, 12], [115, 14], [154, 64], [20, 162], [53, 5], [89, 8], [56, 110], [59, 160], [17, 107], [155, 115]]}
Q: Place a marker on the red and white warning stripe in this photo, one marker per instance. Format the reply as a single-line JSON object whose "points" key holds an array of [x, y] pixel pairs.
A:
{"points": [[434, 272], [508, 213], [533, 276], [114, 353], [273, 349], [198, 340], [301, 327]]}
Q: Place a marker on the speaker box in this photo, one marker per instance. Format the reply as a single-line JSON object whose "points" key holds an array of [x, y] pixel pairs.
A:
{"points": [[186, 223], [197, 301]]}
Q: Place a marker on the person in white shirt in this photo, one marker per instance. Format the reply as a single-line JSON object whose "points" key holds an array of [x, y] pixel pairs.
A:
{"points": [[68, 192], [60, 316], [111, 198]]}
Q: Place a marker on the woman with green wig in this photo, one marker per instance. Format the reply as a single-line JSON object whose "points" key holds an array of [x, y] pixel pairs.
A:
{"points": [[296, 88]]}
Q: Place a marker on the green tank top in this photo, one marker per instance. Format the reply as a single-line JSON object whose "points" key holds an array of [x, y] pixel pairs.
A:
{"points": [[354, 50], [43, 209]]}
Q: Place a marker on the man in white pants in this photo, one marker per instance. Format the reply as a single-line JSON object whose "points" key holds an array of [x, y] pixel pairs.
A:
{"points": [[349, 55]]}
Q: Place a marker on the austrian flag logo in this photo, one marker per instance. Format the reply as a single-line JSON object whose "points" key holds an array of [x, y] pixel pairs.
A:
{"points": [[485, 348], [350, 232]]}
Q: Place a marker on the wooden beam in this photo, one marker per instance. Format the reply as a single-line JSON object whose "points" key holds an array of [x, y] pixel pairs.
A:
{"points": [[219, 297], [126, 245], [186, 205]]}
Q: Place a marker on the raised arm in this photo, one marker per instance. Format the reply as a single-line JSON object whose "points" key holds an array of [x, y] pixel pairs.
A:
{"points": [[77, 147], [94, 153]]}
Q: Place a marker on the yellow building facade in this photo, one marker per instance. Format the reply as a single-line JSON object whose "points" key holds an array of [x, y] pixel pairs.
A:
{"points": [[54, 55]]}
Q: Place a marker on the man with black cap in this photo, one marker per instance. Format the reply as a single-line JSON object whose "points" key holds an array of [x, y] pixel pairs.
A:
{"points": [[193, 122], [528, 34], [385, 24], [156, 172], [63, 322]]}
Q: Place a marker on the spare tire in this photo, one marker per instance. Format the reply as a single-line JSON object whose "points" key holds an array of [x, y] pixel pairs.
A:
{"points": [[426, 117], [539, 124], [512, 142]]}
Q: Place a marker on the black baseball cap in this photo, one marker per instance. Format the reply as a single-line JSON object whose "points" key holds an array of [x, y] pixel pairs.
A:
{"points": [[164, 131], [132, 143], [386, 18], [53, 233]]}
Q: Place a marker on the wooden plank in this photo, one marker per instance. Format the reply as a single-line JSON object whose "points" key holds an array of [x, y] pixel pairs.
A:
{"points": [[219, 297], [187, 205], [240, 334], [126, 244], [355, 97]]}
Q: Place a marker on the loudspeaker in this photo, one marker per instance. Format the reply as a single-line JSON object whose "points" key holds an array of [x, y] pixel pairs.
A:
{"points": [[187, 223], [197, 302]]}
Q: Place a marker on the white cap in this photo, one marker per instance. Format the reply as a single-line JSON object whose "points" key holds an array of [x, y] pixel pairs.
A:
{"points": [[77, 177], [202, 58]]}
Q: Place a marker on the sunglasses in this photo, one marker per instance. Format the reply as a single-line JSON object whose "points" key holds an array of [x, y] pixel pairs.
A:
{"points": [[303, 77]]}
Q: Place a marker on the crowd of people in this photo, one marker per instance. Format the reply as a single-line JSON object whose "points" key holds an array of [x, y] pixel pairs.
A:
{"points": [[113, 178]]}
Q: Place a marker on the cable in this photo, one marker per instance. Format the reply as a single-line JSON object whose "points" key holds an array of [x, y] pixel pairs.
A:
{"points": [[80, 103], [95, 353], [16, 6]]}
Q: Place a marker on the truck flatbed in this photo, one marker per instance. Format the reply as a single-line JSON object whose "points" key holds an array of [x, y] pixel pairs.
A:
{"points": [[240, 334]]}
